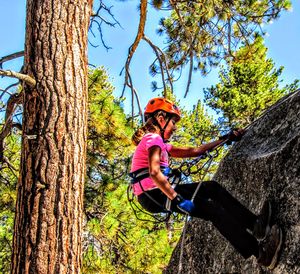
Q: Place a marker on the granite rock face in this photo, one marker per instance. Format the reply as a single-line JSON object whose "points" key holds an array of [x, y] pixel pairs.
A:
{"points": [[265, 164]]}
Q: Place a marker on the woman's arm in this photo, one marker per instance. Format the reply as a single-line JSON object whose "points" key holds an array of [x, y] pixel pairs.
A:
{"points": [[185, 152], [156, 174]]}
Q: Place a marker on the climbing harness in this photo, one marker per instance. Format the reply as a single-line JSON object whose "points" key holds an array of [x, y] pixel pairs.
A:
{"points": [[186, 169], [136, 178]]}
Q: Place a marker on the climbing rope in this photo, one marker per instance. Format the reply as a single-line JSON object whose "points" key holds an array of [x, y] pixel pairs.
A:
{"points": [[189, 165]]}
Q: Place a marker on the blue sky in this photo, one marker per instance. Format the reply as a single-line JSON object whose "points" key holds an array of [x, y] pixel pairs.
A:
{"points": [[282, 41]]}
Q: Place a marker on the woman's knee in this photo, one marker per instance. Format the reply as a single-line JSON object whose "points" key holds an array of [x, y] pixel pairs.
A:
{"points": [[211, 189], [210, 185], [206, 209]]}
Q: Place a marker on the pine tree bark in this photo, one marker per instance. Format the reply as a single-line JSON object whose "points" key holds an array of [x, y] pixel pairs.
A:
{"points": [[48, 222]]}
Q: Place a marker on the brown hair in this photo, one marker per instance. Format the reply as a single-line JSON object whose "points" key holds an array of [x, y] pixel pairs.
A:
{"points": [[149, 126]]}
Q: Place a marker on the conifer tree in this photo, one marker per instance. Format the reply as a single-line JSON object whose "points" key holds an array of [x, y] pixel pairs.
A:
{"points": [[247, 85], [205, 32], [49, 208]]}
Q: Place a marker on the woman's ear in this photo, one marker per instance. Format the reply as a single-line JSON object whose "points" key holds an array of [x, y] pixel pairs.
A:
{"points": [[160, 119]]}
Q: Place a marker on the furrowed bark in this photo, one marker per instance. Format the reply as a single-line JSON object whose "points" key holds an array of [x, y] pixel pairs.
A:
{"points": [[48, 223]]}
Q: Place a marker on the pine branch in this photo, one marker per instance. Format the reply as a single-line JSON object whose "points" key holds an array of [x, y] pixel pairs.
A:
{"points": [[98, 19], [10, 166], [133, 47], [128, 80], [22, 77], [190, 74], [7, 88], [162, 63]]}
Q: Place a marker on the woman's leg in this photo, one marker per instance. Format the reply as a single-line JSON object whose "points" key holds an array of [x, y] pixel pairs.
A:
{"points": [[215, 204], [214, 191], [153, 200], [224, 220]]}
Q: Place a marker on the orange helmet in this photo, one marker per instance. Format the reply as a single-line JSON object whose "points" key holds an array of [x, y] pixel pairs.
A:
{"points": [[166, 105]]}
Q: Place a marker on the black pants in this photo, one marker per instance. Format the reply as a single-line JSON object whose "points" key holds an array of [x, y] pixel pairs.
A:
{"points": [[212, 203]]}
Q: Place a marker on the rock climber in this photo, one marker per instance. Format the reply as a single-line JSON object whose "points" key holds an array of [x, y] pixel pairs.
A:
{"points": [[248, 233]]}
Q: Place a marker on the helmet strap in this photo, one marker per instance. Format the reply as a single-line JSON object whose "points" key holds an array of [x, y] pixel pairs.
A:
{"points": [[162, 129]]}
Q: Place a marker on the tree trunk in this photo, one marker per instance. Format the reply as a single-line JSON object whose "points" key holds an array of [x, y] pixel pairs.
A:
{"points": [[48, 223]]}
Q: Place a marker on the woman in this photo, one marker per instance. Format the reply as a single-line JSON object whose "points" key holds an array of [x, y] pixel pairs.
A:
{"points": [[249, 234]]}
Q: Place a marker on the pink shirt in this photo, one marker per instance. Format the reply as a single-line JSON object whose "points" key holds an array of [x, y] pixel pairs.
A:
{"points": [[140, 159]]}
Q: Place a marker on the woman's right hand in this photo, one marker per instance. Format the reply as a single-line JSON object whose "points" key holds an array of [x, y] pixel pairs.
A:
{"points": [[186, 206]]}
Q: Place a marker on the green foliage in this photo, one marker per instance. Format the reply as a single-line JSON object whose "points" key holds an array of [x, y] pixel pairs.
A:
{"points": [[8, 182], [115, 242], [207, 31], [119, 243], [157, 3], [109, 142], [248, 85], [109, 130]]}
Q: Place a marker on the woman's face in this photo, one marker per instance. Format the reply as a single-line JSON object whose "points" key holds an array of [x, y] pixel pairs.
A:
{"points": [[171, 127]]}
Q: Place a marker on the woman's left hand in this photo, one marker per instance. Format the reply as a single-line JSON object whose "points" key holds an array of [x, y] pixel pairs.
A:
{"points": [[234, 135]]}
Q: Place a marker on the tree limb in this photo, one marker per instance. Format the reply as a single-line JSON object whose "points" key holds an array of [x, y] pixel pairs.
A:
{"points": [[22, 77], [99, 19], [190, 74], [134, 94], [11, 57], [139, 36], [10, 166], [108, 10], [128, 79], [14, 100], [162, 63]]}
